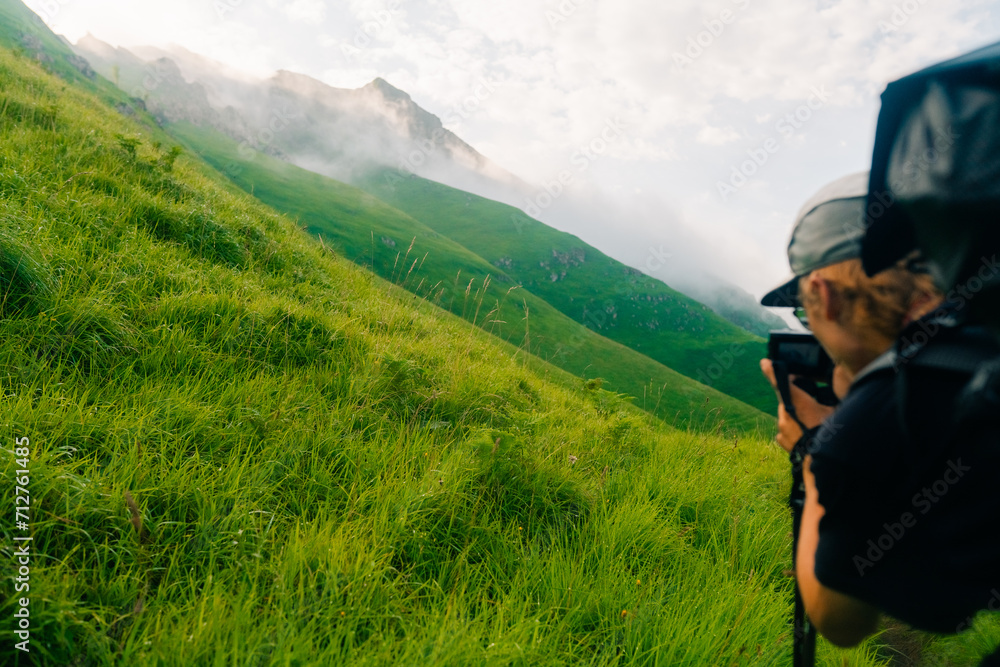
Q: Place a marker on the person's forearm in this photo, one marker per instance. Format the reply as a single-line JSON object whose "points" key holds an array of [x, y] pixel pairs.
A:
{"points": [[843, 620]]}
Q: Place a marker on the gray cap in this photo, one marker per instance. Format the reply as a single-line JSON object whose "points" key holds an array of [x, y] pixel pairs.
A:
{"points": [[828, 230]]}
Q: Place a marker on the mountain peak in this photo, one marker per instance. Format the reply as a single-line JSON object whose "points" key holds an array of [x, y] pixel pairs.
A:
{"points": [[389, 91], [92, 43]]}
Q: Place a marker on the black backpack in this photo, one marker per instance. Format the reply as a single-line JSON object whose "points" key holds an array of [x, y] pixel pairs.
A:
{"points": [[935, 187]]}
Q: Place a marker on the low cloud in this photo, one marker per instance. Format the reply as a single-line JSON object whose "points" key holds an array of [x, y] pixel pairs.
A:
{"points": [[756, 62]]}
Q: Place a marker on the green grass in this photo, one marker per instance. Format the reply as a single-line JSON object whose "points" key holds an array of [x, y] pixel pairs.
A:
{"points": [[591, 288], [246, 450], [407, 252]]}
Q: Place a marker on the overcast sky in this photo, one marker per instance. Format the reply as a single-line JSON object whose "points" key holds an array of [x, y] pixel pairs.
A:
{"points": [[732, 112]]}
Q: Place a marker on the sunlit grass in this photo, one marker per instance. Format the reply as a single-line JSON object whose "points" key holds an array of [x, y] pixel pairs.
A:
{"points": [[434, 266]]}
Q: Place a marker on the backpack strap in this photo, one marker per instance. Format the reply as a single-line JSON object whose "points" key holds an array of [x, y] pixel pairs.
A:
{"points": [[958, 356], [960, 350]]}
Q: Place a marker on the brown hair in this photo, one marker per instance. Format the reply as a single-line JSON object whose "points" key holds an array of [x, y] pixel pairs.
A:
{"points": [[881, 303]]}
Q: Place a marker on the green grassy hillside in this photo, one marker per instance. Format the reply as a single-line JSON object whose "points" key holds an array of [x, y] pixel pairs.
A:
{"points": [[407, 252], [615, 300], [243, 449], [588, 287]]}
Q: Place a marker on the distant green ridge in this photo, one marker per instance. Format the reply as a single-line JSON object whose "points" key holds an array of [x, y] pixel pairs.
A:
{"points": [[604, 295], [372, 233], [618, 302]]}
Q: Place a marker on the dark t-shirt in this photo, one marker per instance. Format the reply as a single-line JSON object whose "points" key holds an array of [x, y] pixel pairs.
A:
{"points": [[912, 522]]}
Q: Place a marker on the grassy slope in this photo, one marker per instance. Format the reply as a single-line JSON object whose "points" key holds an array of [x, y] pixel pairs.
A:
{"points": [[620, 303], [246, 450], [364, 229], [647, 316]]}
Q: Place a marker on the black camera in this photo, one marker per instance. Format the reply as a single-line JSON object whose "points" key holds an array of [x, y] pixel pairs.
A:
{"points": [[802, 355], [798, 353]]}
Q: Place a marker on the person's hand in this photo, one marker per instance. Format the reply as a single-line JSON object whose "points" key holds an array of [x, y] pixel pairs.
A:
{"points": [[809, 410]]}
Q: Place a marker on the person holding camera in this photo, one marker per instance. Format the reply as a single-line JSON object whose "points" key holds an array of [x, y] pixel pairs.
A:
{"points": [[891, 509]]}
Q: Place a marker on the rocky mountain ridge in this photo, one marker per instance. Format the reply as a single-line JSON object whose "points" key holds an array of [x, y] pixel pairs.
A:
{"points": [[346, 134], [335, 131]]}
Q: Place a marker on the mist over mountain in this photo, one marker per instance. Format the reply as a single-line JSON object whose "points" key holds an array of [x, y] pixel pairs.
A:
{"points": [[346, 134], [674, 253], [337, 132]]}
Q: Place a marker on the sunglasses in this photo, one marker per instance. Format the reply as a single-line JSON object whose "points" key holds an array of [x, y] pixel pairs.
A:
{"points": [[800, 314]]}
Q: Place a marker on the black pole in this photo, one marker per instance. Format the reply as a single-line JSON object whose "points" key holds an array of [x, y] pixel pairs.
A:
{"points": [[804, 638], [804, 643]]}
